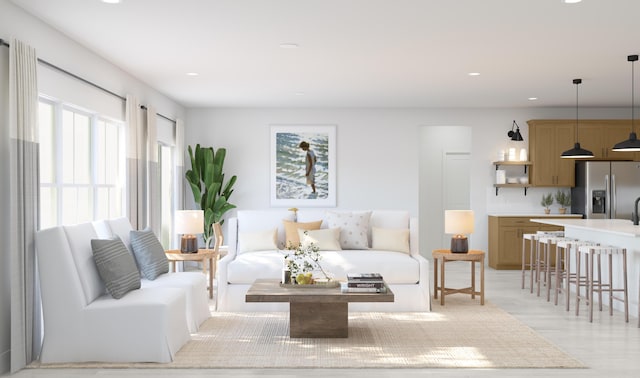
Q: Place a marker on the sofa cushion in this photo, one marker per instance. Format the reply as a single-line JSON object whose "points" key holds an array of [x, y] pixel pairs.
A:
{"points": [[396, 268], [264, 240], [116, 266], [327, 239], [79, 237], [149, 253], [291, 231], [259, 220], [246, 267], [390, 239], [354, 227]]}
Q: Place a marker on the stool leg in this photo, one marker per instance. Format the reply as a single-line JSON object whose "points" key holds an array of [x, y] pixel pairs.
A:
{"points": [[567, 264], [557, 275], [548, 271], [578, 258], [532, 263], [626, 296], [599, 283], [590, 287], [610, 284]]}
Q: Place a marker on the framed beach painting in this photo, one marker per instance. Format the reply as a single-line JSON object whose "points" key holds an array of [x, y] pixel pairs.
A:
{"points": [[303, 165]]}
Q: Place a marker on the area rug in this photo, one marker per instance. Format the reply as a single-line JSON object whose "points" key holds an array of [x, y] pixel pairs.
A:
{"points": [[462, 334]]}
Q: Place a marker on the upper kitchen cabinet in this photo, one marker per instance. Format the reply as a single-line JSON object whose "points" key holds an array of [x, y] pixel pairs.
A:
{"points": [[599, 136], [547, 140]]}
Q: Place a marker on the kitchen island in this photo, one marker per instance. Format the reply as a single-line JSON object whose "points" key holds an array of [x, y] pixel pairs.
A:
{"points": [[614, 232]]}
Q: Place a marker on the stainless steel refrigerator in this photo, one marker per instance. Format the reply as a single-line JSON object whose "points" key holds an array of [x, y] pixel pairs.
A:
{"points": [[605, 189]]}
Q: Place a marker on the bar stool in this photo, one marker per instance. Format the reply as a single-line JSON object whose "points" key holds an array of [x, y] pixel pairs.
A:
{"points": [[533, 254], [545, 244], [564, 248], [590, 253]]}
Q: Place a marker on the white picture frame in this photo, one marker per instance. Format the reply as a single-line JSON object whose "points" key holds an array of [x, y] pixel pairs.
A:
{"points": [[288, 184]]}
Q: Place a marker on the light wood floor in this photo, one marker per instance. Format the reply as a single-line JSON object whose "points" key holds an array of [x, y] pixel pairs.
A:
{"points": [[609, 347]]}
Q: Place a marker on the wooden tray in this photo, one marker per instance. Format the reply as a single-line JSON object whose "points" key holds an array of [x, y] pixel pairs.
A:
{"points": [[316, 285]]}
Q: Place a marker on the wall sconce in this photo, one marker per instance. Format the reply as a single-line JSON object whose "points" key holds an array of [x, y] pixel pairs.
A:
{"points": [[458, 223], [515, 134], [189, 223]]}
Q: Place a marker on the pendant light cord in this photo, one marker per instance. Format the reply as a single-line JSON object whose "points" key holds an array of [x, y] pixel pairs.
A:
{"points": [[577, 82], [633, 102]]}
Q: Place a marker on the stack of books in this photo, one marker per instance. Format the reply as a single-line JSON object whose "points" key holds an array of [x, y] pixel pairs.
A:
{"points": [[364, 283]]}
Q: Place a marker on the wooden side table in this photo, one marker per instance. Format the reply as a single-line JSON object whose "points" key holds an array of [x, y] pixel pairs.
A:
{"points": [[205, 256], [442, 256]]}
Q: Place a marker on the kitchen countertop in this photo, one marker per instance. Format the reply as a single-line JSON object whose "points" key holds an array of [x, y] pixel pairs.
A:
{"points": [[621, 227], [536, 215]]}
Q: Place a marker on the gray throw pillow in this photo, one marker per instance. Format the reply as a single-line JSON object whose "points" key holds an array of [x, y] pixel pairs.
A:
{"points": [[116, 266], [149, 253]]}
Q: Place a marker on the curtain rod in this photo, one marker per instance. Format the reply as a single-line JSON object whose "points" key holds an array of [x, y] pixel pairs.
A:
{"points": [[53, 66]]}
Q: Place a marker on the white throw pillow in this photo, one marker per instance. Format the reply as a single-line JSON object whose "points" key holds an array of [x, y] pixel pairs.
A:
{"points": [[353, 225], [390, 239], [326, 239], [265, 240]]}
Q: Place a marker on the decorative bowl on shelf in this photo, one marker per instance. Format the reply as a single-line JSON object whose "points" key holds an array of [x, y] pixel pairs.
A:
{"points": [[512, 180], [524, 180]]}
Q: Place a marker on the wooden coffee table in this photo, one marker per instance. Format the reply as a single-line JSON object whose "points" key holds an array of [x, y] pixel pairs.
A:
{"points": [[314, 312]]}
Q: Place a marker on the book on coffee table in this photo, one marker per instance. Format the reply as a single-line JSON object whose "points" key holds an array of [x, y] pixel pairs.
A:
{"points": [[364, 277], [364, 283]]}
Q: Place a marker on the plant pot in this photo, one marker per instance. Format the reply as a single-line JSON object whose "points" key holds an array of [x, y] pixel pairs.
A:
{"points": [[547, 211], [562, 210]]}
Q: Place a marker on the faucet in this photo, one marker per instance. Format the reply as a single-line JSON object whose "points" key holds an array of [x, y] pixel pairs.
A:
{"points": [[634, 216]]}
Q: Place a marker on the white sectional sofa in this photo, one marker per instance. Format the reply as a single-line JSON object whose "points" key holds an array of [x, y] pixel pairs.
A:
{"points": [[406, 273], [82, 322]]}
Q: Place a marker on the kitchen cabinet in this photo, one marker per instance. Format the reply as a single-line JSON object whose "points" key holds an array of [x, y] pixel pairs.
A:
{"points": [[547, 140], [505, 238], [599, 136]]}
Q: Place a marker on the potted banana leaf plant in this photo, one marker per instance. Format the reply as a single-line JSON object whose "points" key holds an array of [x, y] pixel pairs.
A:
{"points": [[206, 179]]}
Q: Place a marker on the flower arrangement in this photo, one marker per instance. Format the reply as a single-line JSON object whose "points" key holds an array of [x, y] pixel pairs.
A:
{"points": [[302, 260]]}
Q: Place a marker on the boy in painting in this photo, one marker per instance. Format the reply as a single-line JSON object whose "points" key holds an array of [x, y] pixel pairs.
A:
{"points": [[310, 165]]}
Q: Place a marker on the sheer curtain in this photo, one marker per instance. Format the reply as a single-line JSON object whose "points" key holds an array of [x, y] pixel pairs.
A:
{"points": [[179, 180], [153, 167], [24, 200], [136, 164]]}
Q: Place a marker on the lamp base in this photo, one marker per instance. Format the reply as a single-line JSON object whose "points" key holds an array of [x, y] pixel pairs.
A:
{"points": [[459, 244], [189, 244]]}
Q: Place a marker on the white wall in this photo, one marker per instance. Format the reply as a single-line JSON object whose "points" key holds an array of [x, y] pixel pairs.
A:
{"points": [[378, 154], [57, 49]]}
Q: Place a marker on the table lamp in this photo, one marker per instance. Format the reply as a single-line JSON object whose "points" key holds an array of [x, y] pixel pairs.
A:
{"points": [[189, 223], [458, 223]]}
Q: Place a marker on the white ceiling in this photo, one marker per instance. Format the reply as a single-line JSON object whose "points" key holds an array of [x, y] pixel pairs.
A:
{"points": [[363, 53]]}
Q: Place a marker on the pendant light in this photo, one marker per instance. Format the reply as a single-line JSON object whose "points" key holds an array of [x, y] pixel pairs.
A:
{"points": [[577, 152], [631, 144]]}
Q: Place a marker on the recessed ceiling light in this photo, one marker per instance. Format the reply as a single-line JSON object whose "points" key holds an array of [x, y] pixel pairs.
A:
{"points": [[474, 73], [532, 98], [112, 1], [289, 45], [192, 74], [571, 1]]}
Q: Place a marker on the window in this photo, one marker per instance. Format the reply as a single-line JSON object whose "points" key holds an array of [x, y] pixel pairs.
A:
{"points": [[81, 165]]}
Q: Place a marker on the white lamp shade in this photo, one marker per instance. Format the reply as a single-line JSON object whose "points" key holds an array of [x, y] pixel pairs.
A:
{"points": [[458, 222], [189, 222]]}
